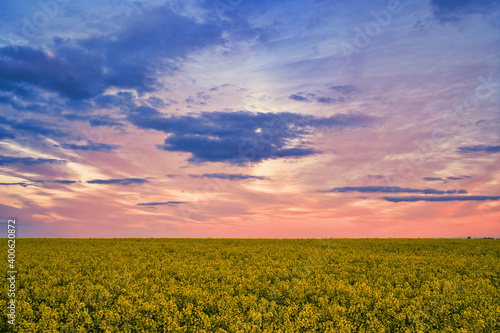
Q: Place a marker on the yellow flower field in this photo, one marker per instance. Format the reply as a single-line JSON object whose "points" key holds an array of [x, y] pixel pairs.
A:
{"points": [[257, 285]]}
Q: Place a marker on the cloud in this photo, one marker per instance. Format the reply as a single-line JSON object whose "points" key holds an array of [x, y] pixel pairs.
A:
{"points": [[228, 176], [221, 86], [93, 146], [240, 137], [304, 97], [479, 148], [156, 102], [453, 10], [65, 182], [31, 127], [376, 176], [445, 180], [433, 179], [5, 135], [443, 198], [93, 120], [151, 42], [390, 189], [203, 96], [70, 75], [326, 100], [8, 160], [24, 184], [298, 98], [344, 89], [13, 184], [167, 203], [124, 181], [172, 175], [110, 101]]}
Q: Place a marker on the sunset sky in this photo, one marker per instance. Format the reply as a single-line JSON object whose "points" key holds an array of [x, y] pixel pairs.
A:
{"points": [[234, 118]]}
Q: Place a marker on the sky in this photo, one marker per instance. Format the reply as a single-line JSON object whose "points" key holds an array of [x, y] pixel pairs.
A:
{"points": [[233, 118]]}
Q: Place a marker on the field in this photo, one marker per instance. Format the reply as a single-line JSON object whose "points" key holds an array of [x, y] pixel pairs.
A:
{"points": [[256, 285]]}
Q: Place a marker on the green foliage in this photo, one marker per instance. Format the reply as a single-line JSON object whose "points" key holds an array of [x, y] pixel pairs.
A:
{"points": [[257, 285]]}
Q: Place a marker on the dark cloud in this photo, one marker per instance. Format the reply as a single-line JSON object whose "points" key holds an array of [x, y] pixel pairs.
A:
{"points": [[13, 184], [203, 96], [109, 101], [221, 86], [6, 135], [167, 203], [443, 198], [228, 176], [124, 181], [240, 137], [131, 58], [326, 100], [64, 182], [376, 176], [156, 102], [172, 175], [390, 189], [298, 98], [8, 160], [433, 179], [34, 182], [93, 120], [25, 105], [455, 10], [93, 146], [295, 152], [69, 74], [31, 127], [479, 148], [344, 89]]}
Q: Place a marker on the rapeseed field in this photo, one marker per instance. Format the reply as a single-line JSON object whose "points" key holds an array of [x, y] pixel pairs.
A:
{"points": [[257, 285]]}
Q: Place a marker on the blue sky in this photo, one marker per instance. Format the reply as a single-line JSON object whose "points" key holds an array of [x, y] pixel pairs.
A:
{"points": [[232, 118]]}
